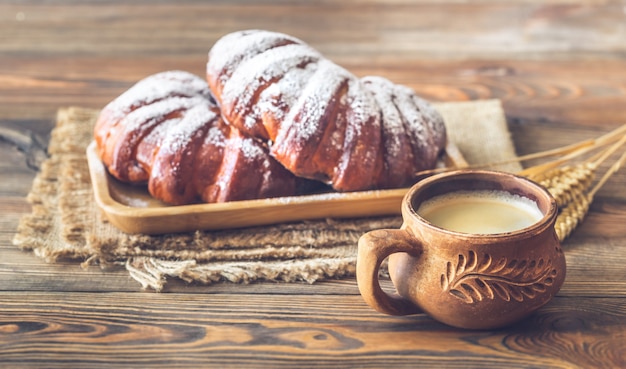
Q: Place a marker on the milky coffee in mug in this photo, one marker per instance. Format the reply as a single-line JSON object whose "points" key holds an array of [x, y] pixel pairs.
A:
{"points": [[480, 212], [491, 260]]}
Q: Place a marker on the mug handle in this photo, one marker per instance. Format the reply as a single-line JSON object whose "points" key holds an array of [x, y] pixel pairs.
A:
{"points": [[374, 247]]}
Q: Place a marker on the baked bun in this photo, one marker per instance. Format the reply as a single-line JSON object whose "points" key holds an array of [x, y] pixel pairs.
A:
{"points": [[319, 120], [167, 131]]}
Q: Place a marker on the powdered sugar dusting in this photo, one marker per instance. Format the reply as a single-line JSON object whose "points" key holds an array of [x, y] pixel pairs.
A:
{"points": [[382, 90], [277, 89], [305, 120], [150, 114], [194, 119], [362, 107], [279, 97], [417, 132], [162, 120], [155, 88], [251, 149], [255, 73], [433, 120], [215, 137], [178, 138], [407, 115], [362, 135], [237, 47]]}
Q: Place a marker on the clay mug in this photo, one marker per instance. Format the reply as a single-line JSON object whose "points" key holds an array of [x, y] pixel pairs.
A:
{"points": [[466, 280]]}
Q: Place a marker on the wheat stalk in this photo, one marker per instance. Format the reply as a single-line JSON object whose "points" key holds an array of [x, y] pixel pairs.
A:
{"points": [[571, 216], [575, 211], [574, 151], [570, 184], [567, 154], [566, 183]]}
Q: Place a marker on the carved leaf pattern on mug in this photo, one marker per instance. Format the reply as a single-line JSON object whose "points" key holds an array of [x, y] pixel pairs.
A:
{"points": [[474, 279]]}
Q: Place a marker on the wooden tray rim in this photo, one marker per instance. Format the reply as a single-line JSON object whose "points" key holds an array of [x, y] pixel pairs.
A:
{"points": [[236, 214]]}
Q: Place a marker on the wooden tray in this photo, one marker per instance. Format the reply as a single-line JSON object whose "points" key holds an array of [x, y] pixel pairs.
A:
{"points": [[133, 210]]}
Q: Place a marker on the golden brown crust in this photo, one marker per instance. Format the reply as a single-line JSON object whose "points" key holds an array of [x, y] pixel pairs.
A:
{"points": [[321, 121], [167, 131], [285, 112]]}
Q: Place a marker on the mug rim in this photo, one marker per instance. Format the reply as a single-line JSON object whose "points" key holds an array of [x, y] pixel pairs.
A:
{"points": [[548, 219]]}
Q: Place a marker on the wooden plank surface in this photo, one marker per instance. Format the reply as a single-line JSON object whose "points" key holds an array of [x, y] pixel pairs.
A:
{"points": [[235, 330], [558, 66]]}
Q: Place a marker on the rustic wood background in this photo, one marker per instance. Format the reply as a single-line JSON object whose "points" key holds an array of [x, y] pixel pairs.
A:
{"points": [[558, 66]]}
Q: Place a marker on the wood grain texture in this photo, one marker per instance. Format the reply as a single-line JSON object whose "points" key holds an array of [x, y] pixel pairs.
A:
{"points": [[306, 331], [559, 67], [355, 28]]}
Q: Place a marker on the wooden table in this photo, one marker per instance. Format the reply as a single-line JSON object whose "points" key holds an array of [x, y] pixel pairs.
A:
{"points": [[559, 68]]}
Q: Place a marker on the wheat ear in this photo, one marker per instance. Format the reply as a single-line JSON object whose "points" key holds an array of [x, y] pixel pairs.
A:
{"points": [[566, 183], [573, 214], [569, 184]]}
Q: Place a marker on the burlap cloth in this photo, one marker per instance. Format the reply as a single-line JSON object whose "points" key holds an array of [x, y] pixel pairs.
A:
{"points": [[65, 223]]}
